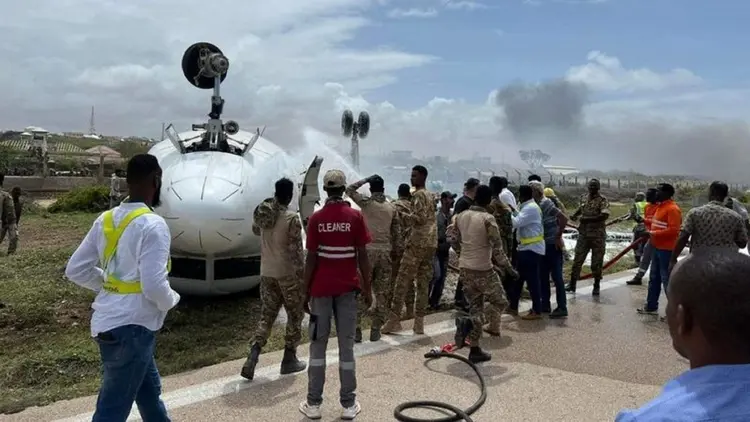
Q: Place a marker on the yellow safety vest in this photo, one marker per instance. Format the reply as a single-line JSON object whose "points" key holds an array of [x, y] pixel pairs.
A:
{"points": [[534, 239], [641, 208], [112, 235]]}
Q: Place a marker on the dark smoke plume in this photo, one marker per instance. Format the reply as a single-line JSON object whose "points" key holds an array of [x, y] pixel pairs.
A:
{"points": [[550, 106], [552, 116]]}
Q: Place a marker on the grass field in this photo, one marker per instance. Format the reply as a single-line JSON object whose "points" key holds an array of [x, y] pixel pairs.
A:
{"points": [[46, 353]]}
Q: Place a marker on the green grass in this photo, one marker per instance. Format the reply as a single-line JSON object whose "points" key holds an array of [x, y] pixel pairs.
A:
{"points": [[46, 352]]}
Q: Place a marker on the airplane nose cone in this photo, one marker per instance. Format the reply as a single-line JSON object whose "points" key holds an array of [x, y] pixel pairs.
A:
{"points": [[204, 203]]}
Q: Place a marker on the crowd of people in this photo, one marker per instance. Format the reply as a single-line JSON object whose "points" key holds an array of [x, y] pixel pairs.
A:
{"points": [[380, 261]]}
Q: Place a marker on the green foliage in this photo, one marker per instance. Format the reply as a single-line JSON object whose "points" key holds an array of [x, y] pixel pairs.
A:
{"points": [[87, 199]]}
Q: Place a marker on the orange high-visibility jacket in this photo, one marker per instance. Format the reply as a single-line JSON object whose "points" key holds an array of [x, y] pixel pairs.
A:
{"points": [[665, 225], [648, 215]]}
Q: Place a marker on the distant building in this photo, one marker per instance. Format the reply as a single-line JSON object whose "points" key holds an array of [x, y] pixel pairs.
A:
{"points": [[561, 170]]}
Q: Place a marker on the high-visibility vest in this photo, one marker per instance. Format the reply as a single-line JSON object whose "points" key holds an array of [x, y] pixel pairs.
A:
{"points": [[641, 208], [533, 239], [112, 235]]}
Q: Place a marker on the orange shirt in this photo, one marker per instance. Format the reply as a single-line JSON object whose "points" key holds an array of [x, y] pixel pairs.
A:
{"points": [[665, 225], [648, 215]]}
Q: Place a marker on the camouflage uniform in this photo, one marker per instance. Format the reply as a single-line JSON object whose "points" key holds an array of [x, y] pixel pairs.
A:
{"points": [[278, 291], [503, 217], [416, 264], [8, 221], [403, 209], [592, 236], [482, 286], [385, 227]]}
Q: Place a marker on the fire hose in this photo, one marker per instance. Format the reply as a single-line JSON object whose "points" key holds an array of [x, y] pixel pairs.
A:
{"points": [[617, 257], [458, 414]]}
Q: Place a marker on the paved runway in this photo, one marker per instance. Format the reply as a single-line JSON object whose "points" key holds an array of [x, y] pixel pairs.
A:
{"points": [[602, 358]]}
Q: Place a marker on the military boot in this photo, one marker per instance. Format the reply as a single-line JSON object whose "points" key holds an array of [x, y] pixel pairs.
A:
{"points": [[597, 286], [409, 314], [418, 327], [636, 281], [393, 325], [358, 335], [477, 355], [374, 334], [571, 287], [493, 328], [248, 369], [290, 364]]}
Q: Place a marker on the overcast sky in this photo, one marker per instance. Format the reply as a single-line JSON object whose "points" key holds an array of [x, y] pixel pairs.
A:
{"points": [[652, 85]]}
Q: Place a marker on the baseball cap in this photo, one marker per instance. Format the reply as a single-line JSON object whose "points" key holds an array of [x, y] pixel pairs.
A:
{"points": [[471, 183], [448, 194], [334, 179]]}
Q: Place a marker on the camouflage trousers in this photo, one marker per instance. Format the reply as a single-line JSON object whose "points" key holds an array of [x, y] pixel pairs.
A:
{"points": [[480, 287], [597, 246], [275, 293], [416, 270], [382, 288], [12, 232], [410, 297]]}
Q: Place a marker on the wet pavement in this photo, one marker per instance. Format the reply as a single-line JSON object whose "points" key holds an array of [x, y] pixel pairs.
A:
{"points": [[603, 358]]}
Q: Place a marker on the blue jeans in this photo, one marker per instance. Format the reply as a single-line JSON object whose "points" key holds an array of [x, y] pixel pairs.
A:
{"points": [[130, 375], [659, 276], [528, 270], [552, 264], [437, 285]]}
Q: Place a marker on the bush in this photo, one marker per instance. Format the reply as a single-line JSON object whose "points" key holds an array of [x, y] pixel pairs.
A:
{"points": [[86, 199]]}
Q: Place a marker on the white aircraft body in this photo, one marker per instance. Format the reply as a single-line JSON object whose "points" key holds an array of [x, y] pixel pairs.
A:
{"points": [[213, 177]]}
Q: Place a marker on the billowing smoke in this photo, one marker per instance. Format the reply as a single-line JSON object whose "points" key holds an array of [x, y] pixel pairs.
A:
{"points": [[555, 106], [560, 118]]}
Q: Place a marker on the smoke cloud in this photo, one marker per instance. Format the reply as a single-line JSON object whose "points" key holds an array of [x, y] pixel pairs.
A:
{"points": [[556, 117]]}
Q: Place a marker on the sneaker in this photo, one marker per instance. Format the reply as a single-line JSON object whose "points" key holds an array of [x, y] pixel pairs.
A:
{"points": [[349, 413], [644, 311], [312, 412]]}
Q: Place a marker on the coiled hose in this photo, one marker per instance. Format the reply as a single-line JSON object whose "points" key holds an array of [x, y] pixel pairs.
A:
{"points": [[458, 414]]}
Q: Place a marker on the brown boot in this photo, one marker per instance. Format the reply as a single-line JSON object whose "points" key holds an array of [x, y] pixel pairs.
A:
{"points": [[393, 325], [418, 325], [493, 329]]}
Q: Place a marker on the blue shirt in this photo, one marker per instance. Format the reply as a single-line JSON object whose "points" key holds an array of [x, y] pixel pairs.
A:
{"points": [[549, 220], [716, 393], [528, 222]]}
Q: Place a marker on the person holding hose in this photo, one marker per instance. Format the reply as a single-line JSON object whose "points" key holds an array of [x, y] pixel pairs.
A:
{"points": [[124, 258], [337, 237], [665, 229], [648, 250], [593, 212]]}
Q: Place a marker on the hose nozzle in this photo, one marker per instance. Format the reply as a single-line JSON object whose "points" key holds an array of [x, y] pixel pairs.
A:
{"points": [[433, 353]]}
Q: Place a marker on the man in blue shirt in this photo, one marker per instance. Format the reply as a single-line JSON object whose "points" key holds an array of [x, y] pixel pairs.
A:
{"points": [[708, 313]]}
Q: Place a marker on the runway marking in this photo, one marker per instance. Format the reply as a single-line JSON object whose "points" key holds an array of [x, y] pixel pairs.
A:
{"points": [[233, 384]]}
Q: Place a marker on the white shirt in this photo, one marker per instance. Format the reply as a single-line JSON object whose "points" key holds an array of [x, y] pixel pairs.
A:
{"points": [[142, 254], [528, 222], [506, 197]]}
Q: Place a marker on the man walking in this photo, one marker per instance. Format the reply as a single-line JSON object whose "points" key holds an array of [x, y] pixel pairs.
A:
{"points": [[281, 267], [124, 258], [665, 228], [385, 228], [337, 236]]}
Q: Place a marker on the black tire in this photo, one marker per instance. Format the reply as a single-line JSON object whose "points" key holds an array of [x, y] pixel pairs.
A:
{"points": [[347, 123], [363, 124]]}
